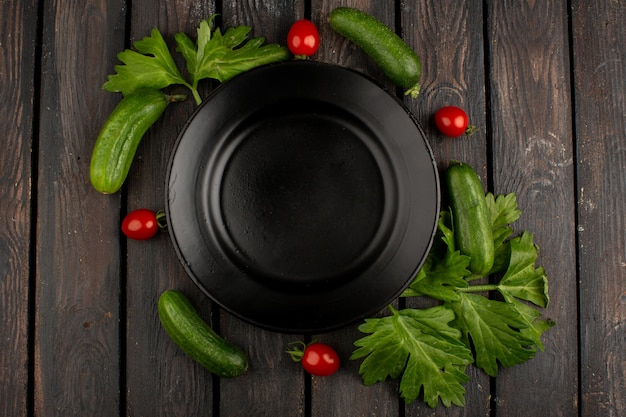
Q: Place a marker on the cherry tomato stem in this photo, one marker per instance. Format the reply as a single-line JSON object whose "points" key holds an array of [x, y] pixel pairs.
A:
{"points": [[161, 219]]}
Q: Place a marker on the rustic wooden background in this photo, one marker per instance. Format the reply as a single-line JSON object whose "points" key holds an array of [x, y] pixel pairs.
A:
{"points": [[79, 333]]}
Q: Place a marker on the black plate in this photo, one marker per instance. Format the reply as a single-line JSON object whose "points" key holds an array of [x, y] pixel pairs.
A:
{"points": [[301, 197]]}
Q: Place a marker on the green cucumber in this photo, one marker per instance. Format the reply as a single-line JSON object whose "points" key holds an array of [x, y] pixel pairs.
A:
{"points": [[394, 57], [473, 230], [121, 134], [199, 341]]}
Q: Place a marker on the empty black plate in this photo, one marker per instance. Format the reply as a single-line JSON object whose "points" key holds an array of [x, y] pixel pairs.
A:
{"points": [[302, 197]]}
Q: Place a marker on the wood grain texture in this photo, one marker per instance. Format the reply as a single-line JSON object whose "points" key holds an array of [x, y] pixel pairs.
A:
{"points": [[274, 385], [77, 308], [344, 393], [545, 81], [600, 86], [18, 20], [533, 157], [448, 36], [155, 367]]}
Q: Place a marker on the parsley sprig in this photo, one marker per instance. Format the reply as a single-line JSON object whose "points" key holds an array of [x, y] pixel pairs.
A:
{"points": [[429, 349], [213, 55]]}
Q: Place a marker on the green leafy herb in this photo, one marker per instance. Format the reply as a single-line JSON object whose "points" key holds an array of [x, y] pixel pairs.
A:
{"points": [[213, 55], [522, 280], [150, 66], [441, 279], [503, 211], [434, 361], [428, 349], [493, 327]]}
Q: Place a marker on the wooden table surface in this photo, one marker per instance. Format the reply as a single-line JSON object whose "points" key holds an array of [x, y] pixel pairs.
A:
{"points": [[544, 80]]}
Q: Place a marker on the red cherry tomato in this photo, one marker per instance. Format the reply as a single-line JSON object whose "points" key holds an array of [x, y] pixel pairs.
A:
{"points": [[317, 358], [140, 224], [451, 121], [303, 38]]}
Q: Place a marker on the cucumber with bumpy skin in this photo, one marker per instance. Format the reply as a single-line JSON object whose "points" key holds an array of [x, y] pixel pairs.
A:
{"points": [[473, 230], [194, 336], [394, 57], [121, 134]]}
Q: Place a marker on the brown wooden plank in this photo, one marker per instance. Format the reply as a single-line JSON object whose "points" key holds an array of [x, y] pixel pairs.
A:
{"points": [[77, 255], [274, 385], [18, 37], [599, 36], [448, 36], [344, 393], [161, 379], [77, 310], [533, 157]]}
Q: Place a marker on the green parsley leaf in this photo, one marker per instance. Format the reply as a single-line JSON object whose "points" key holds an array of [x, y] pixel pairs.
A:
{"points": [[223, 56], [493, 328], [536, 326], [522, 280], [503, 211], [441, 278], [502, 333], [502, 253], [444, 228], [420, 346], [151, 66], [444, 268], [214, 55]]}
